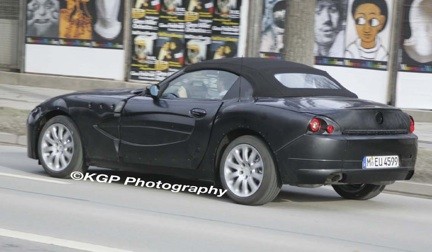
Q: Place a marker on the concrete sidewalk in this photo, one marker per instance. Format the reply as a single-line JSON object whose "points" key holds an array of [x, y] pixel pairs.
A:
{"points": [[26, 96]]}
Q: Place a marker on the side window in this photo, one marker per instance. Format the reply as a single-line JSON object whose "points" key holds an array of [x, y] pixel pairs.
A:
{"points": [[204, 84]]}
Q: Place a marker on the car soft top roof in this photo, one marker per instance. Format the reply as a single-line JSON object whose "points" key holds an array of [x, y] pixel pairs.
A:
{"points": [[260, 73]]}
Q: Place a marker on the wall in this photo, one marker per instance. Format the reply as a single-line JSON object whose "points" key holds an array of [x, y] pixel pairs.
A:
{"points": [[367, 84], [75, 61]]}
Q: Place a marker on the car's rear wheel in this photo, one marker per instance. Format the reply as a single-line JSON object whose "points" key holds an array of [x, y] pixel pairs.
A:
{"points": [[358, 191], [60, 148], [248, 172]]}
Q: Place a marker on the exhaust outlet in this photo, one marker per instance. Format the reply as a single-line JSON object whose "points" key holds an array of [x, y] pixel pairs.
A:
{"points": [[334, 178]]}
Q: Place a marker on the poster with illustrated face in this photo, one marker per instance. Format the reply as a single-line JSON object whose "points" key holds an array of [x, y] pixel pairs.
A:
{"points": [[368, 30], [353, 33], [417, 36], [273, 29]]}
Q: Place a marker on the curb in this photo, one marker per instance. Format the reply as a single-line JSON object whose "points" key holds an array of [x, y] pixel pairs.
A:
{"points": [[410, 189], [65, 82], [13, 139]]}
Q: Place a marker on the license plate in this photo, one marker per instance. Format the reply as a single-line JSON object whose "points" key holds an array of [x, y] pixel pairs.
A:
{"points": [[380, 162]]}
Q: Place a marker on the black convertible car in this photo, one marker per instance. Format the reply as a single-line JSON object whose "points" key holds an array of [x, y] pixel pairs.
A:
{"points": [[247, 124]]}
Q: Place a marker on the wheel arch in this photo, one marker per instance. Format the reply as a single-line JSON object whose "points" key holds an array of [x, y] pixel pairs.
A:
{"points": [[228, 138], [42, 121]]}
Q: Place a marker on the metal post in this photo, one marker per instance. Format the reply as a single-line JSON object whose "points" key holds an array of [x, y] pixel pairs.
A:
{"points": [[21, 35], [299, 32], [254, 28], [394, 52], [127, 38]]}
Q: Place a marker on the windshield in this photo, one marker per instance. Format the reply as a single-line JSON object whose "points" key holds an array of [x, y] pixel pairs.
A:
{"points": [[304, 80]]}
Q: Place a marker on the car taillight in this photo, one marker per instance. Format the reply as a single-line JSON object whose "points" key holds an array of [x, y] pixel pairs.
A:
{"points": [[315, 125], [330, 129], [412, 125], [320, 126]]}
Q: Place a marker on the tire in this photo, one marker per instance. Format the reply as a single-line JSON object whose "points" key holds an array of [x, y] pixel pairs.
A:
{"points": [[60, 148], [247, 181], [358, 191]]}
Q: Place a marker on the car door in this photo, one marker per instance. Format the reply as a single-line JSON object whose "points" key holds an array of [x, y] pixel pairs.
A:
{"points": [[173, 130]]}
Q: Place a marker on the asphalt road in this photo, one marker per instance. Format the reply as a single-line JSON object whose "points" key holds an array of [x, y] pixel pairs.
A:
{"points": [[39, 213]]}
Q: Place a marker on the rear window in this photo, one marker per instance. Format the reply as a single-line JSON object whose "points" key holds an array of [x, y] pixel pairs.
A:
{"points": [[304, 80]]}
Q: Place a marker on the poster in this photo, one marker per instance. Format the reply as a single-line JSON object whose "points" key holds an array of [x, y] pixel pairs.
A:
{"points": [[273, 29], [198, 30], [145, 21], [181, 32], [226, 29], [85, 23], [353, 33], [416, 42]]}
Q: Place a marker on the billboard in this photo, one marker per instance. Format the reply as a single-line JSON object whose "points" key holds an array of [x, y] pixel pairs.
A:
{"points": [[169, 34], [416, 42], [82, 23], [353, 33], [273, 29]]}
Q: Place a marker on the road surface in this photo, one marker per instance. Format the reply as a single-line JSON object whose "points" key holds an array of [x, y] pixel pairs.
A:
{"points": [[40, 213]]}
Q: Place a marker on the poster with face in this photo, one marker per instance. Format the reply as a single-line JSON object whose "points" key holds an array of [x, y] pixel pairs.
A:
{"points": [[226, 21], [273, 28], [368, 30], [197, 48], [199, 17], [42, 18], [353, 33], [329, 30], [169, 48], [199, 21], [108, 23], [172, 16], [223, 47], [417, 36], [143, 48], [181, 32], [84, 23]]}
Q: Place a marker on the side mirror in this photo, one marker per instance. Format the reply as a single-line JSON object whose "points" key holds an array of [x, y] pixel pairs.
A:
{"points": [[154, 91]]}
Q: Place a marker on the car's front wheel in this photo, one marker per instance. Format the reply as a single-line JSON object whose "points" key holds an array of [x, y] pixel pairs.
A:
{"points": [[248, 172], [60, 148], [358, 191]]}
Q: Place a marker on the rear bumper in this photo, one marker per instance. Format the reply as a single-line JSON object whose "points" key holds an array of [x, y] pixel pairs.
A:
{"points": [[352, 176], [316, 159]]}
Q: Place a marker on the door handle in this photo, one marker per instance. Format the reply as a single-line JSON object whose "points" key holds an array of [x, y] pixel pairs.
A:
{"points": [[197, 112]]}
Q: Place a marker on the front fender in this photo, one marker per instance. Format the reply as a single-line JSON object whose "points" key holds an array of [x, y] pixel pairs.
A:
{"points": [[37, 119]]}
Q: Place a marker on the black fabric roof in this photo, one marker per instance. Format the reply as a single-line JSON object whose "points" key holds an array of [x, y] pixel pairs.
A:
{"points": [[260, 73]]}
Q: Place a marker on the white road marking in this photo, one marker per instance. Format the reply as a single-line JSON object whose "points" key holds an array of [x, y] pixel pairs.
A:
{"points": [[33, 178], [57, 242]]}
